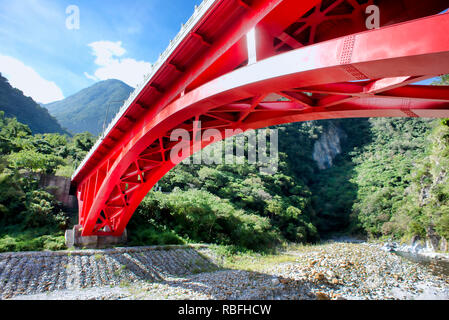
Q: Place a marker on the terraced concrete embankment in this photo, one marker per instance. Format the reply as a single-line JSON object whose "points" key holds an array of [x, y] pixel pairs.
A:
{"points": [[39, 272]]}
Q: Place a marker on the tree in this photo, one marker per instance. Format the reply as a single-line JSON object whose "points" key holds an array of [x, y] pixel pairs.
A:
{"points": [[35, 161]]}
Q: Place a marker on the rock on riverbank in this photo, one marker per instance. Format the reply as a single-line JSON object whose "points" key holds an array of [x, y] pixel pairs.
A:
{"points": [[415, 248], [329, 271]]}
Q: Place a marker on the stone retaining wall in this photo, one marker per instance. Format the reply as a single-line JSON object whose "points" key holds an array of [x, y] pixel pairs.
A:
{"points": [[39, 272]]}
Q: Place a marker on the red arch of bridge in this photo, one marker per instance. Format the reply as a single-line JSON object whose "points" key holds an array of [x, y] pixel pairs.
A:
{"points": [[367, 74]]}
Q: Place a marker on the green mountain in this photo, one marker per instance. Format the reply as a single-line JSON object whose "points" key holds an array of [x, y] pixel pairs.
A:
{"points": [[380, 177], [26, 110], [88, 109]]}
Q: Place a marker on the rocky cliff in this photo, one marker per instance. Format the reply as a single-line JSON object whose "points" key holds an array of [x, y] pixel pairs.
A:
{"points": [[328, 146]]}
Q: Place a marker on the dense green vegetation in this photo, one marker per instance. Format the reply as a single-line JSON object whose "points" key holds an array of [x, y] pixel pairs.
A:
{"points": [[383, 170], [230, 204], [425, 202], [388, 181], [14, 104], [30, 217], [87, 110], [402, 189]]}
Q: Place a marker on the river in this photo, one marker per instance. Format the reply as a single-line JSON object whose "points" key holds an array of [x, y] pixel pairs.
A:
{"points": [[435, 266]]}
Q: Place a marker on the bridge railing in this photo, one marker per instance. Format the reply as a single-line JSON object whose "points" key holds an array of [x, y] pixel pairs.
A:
{"points": [[185, 30]]}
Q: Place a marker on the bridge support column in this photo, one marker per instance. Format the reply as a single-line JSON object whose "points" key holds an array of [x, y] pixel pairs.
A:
{"points": [[74, 239]]}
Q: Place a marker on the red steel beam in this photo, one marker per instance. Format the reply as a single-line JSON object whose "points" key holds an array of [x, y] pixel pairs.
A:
{"points": [[254, 14], [391, 54], [359, 75], [259, 9]]}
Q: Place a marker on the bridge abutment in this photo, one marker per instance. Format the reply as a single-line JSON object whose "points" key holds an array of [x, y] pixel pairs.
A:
{"points": [[74, 239]]}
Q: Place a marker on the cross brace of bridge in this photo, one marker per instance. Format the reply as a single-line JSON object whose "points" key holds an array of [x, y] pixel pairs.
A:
{"points": [[253, 64]]}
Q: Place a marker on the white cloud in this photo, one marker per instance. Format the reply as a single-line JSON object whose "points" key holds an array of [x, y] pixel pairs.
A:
{"points": [[111, 66], [29, 81], [91, 77]]}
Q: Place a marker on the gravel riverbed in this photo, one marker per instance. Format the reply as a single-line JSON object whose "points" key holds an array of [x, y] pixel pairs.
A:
{"points": [[329, 271]]}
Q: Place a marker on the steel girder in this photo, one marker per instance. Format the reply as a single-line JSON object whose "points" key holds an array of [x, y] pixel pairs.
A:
{"points": [[297, 78]]}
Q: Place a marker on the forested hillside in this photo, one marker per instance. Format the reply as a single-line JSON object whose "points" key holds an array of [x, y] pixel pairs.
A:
{"points": [[369, 177], [387, 180], [91, 108], [30, 217], [372, 189], [14, 104]]}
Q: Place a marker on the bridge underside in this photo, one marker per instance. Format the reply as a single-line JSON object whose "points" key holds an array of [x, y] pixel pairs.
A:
{"points": [[306, 60]]}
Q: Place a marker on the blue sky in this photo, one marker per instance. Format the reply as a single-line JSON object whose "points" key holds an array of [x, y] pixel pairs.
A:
{"points": [[115, 39]]}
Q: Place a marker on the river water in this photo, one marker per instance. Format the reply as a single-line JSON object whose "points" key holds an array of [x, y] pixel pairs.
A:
{"points": [[437, 267]]}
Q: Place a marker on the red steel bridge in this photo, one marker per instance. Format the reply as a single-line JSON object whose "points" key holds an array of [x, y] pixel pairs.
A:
{"points": [[249, 64]]}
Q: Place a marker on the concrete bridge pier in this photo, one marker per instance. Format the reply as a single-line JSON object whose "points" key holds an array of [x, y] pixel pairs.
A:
{"points": [[74, 239]]}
